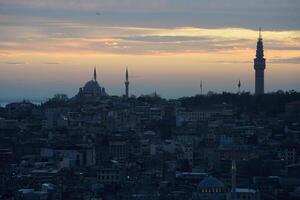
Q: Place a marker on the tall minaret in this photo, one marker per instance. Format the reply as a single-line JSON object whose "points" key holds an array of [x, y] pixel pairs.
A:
{"points": [[201, 88], [95, 74], [259, 66], [233, 179], [126, 84]]}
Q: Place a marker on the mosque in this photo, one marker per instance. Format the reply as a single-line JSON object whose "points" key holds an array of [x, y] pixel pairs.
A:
{"points": [[92, 90]]}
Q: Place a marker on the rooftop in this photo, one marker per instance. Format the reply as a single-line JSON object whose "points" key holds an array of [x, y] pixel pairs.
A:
{"points": [[245, 190]]}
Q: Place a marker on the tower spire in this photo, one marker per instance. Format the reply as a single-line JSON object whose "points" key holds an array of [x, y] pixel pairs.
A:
{"points": [[239, 86], [259, 37], [95, 74]]}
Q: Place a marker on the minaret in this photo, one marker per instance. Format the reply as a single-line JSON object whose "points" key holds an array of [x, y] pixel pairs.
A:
{"points": [[259, 66], [239, 86], [95, 74], [233, 179], [126, 84], [201, 88]]}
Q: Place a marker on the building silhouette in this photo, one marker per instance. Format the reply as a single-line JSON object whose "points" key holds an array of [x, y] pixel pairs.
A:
{"points": [[92, 89], [259, 66]]}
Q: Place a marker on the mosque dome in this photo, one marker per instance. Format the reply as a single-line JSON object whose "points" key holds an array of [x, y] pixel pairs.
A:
{"points": [[91, 90], [210, 182], [91, 85]]}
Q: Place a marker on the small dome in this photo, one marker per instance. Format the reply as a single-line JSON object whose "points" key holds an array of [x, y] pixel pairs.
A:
{"points": [[210, 182], [90, 85]]}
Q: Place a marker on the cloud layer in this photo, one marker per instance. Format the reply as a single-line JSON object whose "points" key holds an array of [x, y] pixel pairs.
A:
{"points": [[271, 14], [146, 27]]}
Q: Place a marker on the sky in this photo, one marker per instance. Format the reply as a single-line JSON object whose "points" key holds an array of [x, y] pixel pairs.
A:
{"points": [[169, 46]]}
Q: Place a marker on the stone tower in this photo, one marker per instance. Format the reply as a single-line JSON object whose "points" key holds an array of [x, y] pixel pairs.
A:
{"points": [[259, 66]]}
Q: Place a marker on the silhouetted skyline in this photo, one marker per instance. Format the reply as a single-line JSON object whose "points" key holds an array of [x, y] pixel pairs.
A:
{"points": [[155, 100]]}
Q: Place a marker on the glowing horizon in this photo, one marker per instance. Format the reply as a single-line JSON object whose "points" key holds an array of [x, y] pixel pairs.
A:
{"points": [[41, 54]]}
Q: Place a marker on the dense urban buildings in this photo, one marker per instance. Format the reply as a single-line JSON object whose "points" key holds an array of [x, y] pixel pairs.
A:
{"points": [[151, 148], [96, 146], [206, 147]]}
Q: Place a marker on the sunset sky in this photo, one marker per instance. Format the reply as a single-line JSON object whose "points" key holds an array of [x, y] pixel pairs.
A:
{"points": [[52, 46]]}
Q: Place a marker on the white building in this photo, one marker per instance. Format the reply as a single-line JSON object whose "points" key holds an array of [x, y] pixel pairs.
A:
{"points": [[199, 114], [244, 193]]}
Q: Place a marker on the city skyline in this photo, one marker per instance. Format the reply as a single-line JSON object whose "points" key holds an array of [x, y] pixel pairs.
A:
{"points": [[47, 47], [155, 100]]}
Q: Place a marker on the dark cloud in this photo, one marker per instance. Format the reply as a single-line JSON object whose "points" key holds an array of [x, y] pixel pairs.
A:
{"points": [[232, 61], [164, 39], [51, 63], [288, 44], [15, 63], [293, 60]]}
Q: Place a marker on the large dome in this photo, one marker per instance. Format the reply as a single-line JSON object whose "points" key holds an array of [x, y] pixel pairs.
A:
{"points": [[91, 85], [91, 90]]}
